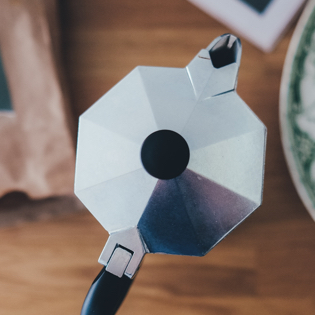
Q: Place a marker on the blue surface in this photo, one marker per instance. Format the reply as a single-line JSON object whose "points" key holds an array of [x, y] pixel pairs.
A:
{"points": [[258, 5]]}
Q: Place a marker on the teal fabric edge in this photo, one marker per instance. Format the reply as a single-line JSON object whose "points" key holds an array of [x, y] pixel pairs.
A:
{"points": [[5, 98]]}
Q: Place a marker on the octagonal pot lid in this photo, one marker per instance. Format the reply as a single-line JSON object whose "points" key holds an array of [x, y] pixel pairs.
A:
{"points": [[174, 152]]}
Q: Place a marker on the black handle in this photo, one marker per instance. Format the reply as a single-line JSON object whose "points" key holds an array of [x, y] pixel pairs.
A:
{"points": [[106, 294]]}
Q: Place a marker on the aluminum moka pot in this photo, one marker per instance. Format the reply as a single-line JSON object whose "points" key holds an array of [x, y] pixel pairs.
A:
{"points": [[170, 160]]}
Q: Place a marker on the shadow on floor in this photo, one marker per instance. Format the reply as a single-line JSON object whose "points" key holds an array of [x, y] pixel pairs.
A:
{"points": [[17, 207]]}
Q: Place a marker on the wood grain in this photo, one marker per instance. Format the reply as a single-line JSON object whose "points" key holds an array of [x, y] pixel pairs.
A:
{"points": [[266, 266]]}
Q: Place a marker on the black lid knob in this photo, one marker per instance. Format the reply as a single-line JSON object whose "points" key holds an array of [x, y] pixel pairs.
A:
{"points": [[165, 154]]}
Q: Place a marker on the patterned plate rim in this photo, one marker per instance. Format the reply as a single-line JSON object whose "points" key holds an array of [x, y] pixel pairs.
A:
{"points": [[289, 130]]}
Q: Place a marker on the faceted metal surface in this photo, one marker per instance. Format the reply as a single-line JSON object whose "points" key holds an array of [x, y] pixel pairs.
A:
{"points": [[223, 181]]}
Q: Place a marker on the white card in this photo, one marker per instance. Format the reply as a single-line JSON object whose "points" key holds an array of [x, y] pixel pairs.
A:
{"points": [[262, 22]]}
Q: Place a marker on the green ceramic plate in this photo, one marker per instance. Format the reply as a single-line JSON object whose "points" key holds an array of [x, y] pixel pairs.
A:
{"points": [[297, 107]]}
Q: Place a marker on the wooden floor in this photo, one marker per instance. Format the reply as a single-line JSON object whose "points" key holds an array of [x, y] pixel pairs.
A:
{"points": [[266, 266]]}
